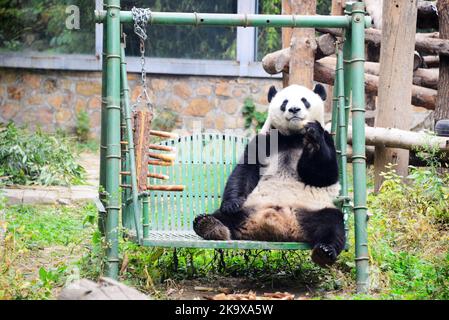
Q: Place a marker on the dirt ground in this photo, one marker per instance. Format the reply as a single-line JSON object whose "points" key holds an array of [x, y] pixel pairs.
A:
{"points": [[219, 287]]}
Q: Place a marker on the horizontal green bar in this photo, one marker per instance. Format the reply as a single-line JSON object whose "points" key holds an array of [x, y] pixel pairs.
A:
{"points": [[190, 240], [238, 20], [234, 244]]}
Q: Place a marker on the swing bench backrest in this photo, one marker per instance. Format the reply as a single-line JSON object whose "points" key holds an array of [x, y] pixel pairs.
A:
{"points": [[203, 163]]}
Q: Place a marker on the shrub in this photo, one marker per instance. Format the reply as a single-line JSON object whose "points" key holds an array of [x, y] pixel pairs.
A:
{"points": [[37, 158], [253, 118], [82, 126]]}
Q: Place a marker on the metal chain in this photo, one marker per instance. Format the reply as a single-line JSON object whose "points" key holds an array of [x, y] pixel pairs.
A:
{"points": [[141, 18]]}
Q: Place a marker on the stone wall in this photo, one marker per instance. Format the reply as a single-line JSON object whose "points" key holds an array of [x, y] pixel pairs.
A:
{"points": [[51, 99]]}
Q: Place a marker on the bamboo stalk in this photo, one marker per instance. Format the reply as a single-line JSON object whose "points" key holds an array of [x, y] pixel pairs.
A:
{"points": [[164, 134], [166, 188]]}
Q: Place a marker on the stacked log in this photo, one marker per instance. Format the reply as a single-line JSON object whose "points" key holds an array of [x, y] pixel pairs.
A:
{"points": [[324, 72]]}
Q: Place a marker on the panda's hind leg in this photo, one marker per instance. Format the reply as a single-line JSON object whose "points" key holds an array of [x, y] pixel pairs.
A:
{"points": [[210, 228], [325, 232]]}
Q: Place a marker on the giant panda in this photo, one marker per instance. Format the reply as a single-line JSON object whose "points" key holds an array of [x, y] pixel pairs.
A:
{"points": [[286, 194]]}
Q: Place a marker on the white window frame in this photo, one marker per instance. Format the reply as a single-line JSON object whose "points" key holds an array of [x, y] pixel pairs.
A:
{"points": [[245, 65]]}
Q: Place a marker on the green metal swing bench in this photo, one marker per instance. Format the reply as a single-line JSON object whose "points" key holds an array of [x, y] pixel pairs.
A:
{"points": [[204, 160]]}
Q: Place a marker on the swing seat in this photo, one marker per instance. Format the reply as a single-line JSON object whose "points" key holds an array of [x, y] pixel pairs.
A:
{"points": [[203, 163]]}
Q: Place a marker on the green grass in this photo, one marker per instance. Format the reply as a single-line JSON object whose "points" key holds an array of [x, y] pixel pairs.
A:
{"points": [[46, 226], [44, 246], [41, 247]]}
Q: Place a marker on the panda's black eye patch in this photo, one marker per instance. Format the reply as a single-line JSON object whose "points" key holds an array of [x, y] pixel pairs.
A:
{"points": [[306, 103], [283, 105]]}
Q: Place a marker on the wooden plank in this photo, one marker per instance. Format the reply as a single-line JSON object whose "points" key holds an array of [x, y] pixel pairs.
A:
{"points": [[142, 127]]}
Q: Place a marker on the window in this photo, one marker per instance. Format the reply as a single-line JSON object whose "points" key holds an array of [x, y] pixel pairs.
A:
{"points": [[33, 34], [268, 39], [185, 41], [39, 26]]}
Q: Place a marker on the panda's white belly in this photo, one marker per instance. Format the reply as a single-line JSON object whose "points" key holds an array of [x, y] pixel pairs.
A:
{"points": [[279, 186]]}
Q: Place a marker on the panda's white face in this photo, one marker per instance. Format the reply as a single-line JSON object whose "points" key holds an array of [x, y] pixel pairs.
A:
{"points": [[293, 107]]}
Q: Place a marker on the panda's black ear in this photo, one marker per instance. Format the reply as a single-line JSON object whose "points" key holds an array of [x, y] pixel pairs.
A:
{"points": [[271, 93], [319, 90]]}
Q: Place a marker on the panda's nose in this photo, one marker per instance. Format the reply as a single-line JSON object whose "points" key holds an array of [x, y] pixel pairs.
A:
{"points": [[294, 110]]}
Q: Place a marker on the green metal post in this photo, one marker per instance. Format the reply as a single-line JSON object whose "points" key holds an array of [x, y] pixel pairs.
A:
{"points": [[129, 137], [334, 111], [347, 63], [342, 138], [145, 213], [125, 178], [358, 145], [113, 136], [101, 217]]}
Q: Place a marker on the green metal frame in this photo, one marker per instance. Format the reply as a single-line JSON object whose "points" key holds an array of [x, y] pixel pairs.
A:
{"points": [[165, 219]]}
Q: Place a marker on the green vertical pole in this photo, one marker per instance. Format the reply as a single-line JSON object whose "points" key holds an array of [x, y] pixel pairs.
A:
{"points": [[342, 138], [334, 111], [347, 63], [113, 136], [145, 213], [358, 145], [125, 164], [129, 137], [101, 217]]}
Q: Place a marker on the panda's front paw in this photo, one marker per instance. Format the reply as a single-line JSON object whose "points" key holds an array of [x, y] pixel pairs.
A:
{"points": [[231, 206], [313, 136]]}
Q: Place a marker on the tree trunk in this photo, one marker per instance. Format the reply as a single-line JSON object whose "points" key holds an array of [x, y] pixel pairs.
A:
{"points": [[337, 7], [302, 46], [431, 61], [286, 37], [278, 61], [423, 43], [403, 139], [395, 81], [442, 105], [421, 97]]}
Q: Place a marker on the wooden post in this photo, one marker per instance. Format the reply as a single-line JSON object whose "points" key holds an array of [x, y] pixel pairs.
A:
{"points": [[395, 81], [286, 37], [303, 46], [442, 105], [337, 7]]}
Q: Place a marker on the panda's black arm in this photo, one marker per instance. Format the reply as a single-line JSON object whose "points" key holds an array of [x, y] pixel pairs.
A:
{"points": [[318, 163], [244, 177]]}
